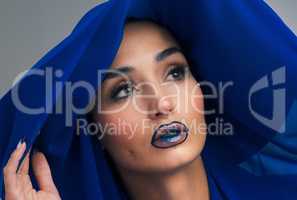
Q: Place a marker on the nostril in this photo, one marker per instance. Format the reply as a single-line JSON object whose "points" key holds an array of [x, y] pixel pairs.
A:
{"points": [[158, 114], [165, 111], [165, 106], [161, 106]]}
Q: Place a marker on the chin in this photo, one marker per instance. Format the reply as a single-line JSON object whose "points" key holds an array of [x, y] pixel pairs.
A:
{"points": [[177, 157], [167, 160]]}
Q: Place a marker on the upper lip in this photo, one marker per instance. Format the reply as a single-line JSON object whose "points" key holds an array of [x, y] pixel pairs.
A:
{"points": [[172, 125]]}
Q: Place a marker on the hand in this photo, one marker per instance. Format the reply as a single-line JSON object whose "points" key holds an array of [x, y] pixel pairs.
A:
{"points": [[18, 185]]}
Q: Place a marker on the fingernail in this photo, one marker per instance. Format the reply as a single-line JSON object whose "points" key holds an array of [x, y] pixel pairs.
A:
{"points": [[22, 140], [19, 144]]}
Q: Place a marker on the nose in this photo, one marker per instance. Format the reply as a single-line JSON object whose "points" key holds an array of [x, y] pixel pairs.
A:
{"points": [[161, 106]]}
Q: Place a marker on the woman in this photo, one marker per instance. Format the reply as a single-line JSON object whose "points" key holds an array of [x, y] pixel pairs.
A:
{"points": [[165, 165], [77, 163]]}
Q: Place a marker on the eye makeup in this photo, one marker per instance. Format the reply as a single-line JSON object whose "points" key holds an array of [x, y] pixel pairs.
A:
{"points": [[124, 89], [124, 86], [178, 71]]}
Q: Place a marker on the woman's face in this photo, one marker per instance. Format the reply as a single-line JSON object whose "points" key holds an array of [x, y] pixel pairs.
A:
{"points": [[155, 87]]}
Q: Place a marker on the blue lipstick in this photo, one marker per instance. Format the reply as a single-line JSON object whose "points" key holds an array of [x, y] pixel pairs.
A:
{"points": [[169, 135]]}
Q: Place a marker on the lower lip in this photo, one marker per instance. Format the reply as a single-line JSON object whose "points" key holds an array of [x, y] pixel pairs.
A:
{"points": [[167, 141]]}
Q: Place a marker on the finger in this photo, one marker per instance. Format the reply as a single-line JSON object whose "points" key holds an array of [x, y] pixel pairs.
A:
{"points": [[25, 182], [9, 171], [15, 157], [24, 168], [43, 173]]}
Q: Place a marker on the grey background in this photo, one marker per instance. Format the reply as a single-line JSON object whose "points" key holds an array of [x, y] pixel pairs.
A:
{"points": [[28, 29]]}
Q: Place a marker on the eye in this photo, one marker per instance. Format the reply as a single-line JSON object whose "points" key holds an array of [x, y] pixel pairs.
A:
{"points": [[122, 91], [177, 72]]}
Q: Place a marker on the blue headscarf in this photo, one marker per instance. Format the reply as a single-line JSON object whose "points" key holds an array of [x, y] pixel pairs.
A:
{"points": [[242, 41]]}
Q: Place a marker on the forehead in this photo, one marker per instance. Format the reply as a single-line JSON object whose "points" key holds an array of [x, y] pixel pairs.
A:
{"points": [[141, 41], [128, 69]]}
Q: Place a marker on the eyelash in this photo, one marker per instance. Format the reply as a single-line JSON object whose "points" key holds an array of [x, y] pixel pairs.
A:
{"points": [[181, 68], [178, 68], [117, 90]]}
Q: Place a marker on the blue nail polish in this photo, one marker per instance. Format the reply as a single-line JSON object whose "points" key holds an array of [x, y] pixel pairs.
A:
{"points": [[23, 156], [19, 144]]}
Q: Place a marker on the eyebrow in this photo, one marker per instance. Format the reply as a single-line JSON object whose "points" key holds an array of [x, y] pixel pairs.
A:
{"points": [[167, 52], [116, 72], [113, 73]]}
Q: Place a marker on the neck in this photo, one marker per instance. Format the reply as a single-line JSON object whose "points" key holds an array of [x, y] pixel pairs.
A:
{"points": [[189, 182]]}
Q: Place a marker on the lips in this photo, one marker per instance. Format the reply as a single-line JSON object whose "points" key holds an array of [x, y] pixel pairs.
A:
{"points": [[169, 135]]}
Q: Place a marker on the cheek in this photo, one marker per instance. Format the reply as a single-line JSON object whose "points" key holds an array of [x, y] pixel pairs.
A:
{"points": [[192, 99], [196, 99], [195, 116], [123, 138]]}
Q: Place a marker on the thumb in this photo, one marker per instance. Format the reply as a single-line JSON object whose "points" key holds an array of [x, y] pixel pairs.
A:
{"points": [[42, 173]]}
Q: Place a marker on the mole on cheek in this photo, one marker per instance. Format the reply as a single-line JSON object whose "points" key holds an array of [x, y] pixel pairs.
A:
{"points": [[132, 154]]}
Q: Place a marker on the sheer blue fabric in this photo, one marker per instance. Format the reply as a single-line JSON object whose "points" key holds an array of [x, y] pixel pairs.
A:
{"points": [[242, 41]]}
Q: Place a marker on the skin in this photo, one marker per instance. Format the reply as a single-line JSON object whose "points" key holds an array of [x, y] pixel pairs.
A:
{"points": [[159, 170], [158, 96], [18, 185]]}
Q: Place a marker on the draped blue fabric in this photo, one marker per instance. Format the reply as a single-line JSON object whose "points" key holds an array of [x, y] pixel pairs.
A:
{"points": [[239, 41]]}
